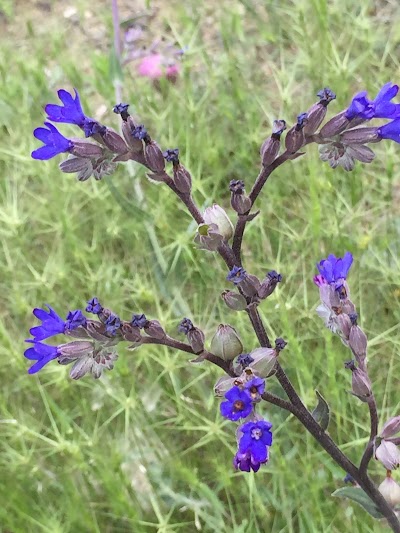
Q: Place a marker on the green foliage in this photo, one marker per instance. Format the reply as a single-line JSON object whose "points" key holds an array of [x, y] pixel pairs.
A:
{"points": [[144, 449]]}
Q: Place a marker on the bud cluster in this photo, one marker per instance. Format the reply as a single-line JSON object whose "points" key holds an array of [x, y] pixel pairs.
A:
{"points": [[252, 290]]}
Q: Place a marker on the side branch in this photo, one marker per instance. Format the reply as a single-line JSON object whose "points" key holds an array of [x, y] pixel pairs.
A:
{"points": [[261, 179], [369, 450]]}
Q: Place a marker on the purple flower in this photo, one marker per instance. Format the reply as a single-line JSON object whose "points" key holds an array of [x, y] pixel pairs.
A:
{"points": [[140, 132], [139, 321], [238, 404], [185, 326], [255, 387], [121, 109], [245, 462], [335, 269], [244, 360], [54, 142], [75, 319], [94, 306], [113, 323], [52, 324], [274, 276], [92, 127], [172, 155], [70, 112], [255, 440], [236, 275], [42, 354], [390, 131], [380, 107], [360, 107]]}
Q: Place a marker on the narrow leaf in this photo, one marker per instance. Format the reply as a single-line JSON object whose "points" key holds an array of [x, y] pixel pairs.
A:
{"points": [[321, 413], [359, 496]]}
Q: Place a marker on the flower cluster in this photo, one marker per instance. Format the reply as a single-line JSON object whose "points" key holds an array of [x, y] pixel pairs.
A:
{"points": [[99, 156], [340, 316], [254, 436], [94, 349], [342, 141]]}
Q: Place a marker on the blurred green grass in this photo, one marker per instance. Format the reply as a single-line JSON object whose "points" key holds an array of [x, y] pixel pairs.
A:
{"points": [[144, 448]]}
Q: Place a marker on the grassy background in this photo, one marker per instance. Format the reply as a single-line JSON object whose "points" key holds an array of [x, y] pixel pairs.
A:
{"points": [[144, 449]]}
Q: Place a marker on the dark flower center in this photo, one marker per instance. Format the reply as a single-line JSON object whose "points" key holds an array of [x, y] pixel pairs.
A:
{"points": [[238, 405]]}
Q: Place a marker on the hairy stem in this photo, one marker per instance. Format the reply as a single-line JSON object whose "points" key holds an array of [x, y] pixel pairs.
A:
{"points": [[369, 450]]}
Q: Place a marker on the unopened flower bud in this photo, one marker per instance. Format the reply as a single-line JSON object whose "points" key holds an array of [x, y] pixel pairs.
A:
{"points": [[196, 340], [390, 490], [264, 361], [154, 329], [317, 112], [270, 148], [114, 142], [335, 125], [216, 215], [391, 427], [182, 178], [73, 350], [344, 324], [269, 284], [240, 202], [84, 148], [226, 343], [295, 136], [361, 384], [234, 300], [208, 237], [388, 454], [130, 333], [154, 157], [250, 285], [358, 343], [134, 143], [360, 136]]}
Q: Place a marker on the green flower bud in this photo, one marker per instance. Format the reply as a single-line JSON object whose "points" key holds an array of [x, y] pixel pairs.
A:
{"points": [[234, 300], [226, 343]]}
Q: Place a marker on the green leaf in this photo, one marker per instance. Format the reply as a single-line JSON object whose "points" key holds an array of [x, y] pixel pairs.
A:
{"points": [[321, 413], [359, 496]]}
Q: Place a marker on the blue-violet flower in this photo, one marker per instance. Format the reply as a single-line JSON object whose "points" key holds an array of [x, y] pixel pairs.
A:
{"points": [[255, 440], [335, 269], [94, 306], [52, 324], [236, 275], [54, 142], [238, 404], [42, 354]]}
